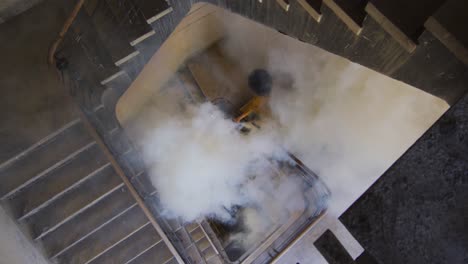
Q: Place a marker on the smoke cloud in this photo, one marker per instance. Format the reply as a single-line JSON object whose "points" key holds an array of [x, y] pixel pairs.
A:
{"points": [[345, 122]]}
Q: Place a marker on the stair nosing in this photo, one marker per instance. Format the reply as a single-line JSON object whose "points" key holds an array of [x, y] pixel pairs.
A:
{"points": [[38, 144], [41, 174], [159, 15], [68, 218], [118, 242], [144, 251], [108, 80], [93, 231], [61, 193], [142, 38], [127, 58], [167, 261]]}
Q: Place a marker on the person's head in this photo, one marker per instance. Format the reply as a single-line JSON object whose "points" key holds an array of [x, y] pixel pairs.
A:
{"points": [[260, 82]]}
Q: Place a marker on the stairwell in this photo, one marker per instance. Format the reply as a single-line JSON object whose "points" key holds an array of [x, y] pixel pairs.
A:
{"points": [[65, 193]]}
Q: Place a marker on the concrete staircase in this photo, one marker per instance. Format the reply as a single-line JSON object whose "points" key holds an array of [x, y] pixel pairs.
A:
{"points": [[112, 42], [65, 194]]}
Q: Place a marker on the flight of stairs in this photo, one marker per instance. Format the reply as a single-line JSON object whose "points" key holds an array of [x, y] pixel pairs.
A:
{"points": [[112, 40], [65, 194]]}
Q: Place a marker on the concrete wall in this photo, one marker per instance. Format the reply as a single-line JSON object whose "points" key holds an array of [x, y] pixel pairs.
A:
{"points": [[15, 248]]}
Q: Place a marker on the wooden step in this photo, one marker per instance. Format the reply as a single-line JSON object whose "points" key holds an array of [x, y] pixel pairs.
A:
{"points": [[448, 25], [88, 221], [131, 247], [52, 153], [351, 12], [403, 20], [75, 200], [105, 237], [35, 196]]}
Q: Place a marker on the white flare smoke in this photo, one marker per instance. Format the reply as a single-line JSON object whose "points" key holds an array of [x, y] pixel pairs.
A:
{"points": [[346, 122]]}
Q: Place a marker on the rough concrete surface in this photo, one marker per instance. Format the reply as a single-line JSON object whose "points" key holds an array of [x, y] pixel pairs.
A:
{"points": [[417, 212], [33, 102]]}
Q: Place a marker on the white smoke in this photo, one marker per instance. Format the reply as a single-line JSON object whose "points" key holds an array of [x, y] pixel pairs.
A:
{"points": [[346, 122], [202, 166]]}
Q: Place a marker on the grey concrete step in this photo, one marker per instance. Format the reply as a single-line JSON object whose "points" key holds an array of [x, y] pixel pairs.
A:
{"points": [[170, 261], [88, 221], [154, 9], [71, 203], [157, 253], [35, 196], [118, 23], [132, 64], [147, 44], [129, 248], [116, 85], [43, 158], [105, 237]]}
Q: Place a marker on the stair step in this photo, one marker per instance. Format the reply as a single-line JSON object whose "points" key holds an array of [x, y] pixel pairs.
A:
{"points": [[132, 64], [312, 7], [170, 261], [117, 23], [116, 86], [148, 45], [351, 12], [184, 237], [105, 237], [157, 253], [43, 191], [403, 20], [203, 244], [45, 157], [214, 260], [152, 10], [88, 221], [162, 23], [130, 247], [208, 253], [197, 234], [75, 200], [448, 25]]}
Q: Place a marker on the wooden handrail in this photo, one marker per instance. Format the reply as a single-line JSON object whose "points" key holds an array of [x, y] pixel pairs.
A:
{"points": [[63, 32]]}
